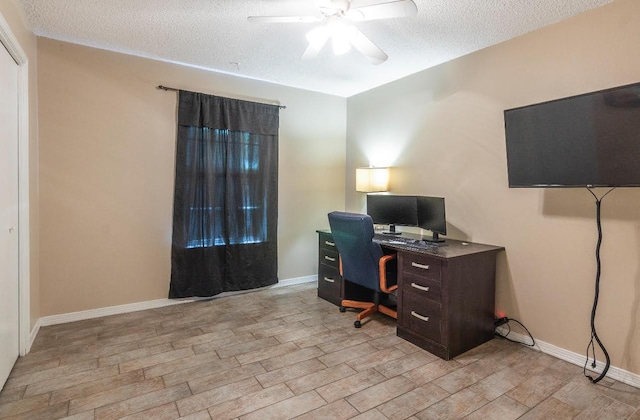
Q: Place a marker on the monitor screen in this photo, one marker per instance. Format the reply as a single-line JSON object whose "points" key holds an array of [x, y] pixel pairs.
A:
{"points": [[387, 209], [431, 215], [586, 140]]}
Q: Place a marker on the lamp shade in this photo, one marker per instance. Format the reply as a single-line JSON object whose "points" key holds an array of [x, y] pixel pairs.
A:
{"points": [[372, 179]]}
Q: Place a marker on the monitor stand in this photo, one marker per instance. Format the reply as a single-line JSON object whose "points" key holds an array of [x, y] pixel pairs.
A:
{"points": [[434, 238], [392, 230]]}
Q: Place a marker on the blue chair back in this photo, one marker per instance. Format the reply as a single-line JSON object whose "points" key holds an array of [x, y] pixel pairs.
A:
{"points": [[353, 235]]}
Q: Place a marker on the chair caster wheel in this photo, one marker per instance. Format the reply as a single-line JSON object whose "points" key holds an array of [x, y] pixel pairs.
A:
{"points": [[343, 309], [357, 324]]}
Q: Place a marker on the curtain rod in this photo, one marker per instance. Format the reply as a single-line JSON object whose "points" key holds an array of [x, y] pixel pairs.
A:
{"points": [[178, 90]]}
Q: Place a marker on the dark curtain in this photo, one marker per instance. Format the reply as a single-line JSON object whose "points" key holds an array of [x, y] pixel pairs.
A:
{"points": [[226, 196]]}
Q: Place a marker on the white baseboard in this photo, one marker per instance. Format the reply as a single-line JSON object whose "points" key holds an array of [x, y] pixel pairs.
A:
{"points": [[32, 337], [615, 373], [151, 304], [296, 280]]}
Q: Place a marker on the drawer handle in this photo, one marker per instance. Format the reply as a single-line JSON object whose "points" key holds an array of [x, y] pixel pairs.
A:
{"points": [[418, 265], [329, 243], [420, 317], [417, 286], [329, 258], [329, 279]]}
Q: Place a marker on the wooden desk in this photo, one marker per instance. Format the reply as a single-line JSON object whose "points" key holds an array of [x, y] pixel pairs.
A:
{"points": [[446, 293]]}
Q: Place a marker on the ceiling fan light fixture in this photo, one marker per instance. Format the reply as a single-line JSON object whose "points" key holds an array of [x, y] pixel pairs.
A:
{"points": [[340, 34], [340, 44], [318, 36]]}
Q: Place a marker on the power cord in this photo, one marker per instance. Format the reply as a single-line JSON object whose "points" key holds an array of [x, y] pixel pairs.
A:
{"points": [[505, 321], [594, 335]]}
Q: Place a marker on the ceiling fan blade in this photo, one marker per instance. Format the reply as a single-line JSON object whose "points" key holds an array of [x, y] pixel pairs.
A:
{"points": [[367, 48], [283, 19], [392, 9]]}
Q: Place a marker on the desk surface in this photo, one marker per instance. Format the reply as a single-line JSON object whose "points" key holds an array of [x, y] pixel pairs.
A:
{"points": [[450, 248]]}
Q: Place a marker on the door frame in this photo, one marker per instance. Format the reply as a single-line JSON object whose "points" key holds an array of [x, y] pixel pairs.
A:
{"points": [[10, 42]]}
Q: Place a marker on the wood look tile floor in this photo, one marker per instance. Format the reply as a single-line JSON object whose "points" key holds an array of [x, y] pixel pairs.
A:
{"points": [[283, 353]]}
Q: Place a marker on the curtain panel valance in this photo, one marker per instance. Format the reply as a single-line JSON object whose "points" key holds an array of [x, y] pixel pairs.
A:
{"points": [[201, 110]]}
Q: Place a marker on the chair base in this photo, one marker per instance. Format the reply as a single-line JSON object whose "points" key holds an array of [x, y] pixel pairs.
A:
{"points": [[368, 308]]}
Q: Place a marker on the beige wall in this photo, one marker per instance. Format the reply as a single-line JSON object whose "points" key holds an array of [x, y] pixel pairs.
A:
{"points": [[106, 177], [28, 42], [107, 139], [443, 131]]}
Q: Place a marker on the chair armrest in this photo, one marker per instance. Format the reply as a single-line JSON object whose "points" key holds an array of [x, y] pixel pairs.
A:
{"points": [[383, 273]]}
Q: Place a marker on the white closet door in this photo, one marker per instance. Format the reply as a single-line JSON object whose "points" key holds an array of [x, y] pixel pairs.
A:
{"points": [[9, 297]]}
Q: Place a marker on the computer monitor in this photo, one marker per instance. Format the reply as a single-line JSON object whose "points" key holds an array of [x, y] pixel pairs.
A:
{"points": [[431, 216], [393, 210]]}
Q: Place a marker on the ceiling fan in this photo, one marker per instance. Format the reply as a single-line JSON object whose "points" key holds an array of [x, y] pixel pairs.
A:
{"points": [[337, 18]]}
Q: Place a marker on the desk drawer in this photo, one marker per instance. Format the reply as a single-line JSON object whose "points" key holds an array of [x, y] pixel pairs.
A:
{"points": [[330, 258], [329, 284], [421, 287], [326, 242], [422, 316], [421, 265]]}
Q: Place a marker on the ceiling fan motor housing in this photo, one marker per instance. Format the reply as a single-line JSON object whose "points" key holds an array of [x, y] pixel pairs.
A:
{"points": [[336, 7]]}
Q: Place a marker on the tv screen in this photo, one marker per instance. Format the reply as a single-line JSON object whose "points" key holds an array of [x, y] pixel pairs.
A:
{"points": [[387, 209], [431, 215], [586, 140]]}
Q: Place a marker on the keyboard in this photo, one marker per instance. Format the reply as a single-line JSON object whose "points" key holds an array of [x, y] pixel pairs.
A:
{"points": [[406, 242]]}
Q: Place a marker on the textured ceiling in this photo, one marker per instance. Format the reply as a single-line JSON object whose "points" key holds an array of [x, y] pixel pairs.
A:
{"points": [[215, 34]]}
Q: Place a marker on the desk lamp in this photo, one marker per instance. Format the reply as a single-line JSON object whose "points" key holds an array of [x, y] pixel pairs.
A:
{"points": [[372, 179]]}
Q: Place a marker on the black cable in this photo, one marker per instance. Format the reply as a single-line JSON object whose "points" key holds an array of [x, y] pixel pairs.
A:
{"points": [[506, 321], [594, 334]]}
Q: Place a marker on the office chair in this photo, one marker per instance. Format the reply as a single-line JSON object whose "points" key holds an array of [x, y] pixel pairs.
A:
{"points": [[362, 262]]}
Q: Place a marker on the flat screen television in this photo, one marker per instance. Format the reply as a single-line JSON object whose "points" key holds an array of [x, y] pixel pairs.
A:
{"points": [[589, 140], [431, 216], [386, 209]]}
